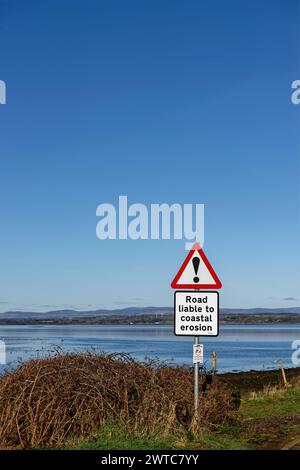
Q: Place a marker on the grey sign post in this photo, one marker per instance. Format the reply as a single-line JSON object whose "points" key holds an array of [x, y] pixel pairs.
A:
{"points": [[196, 312], [198, 354], [196, 379]]}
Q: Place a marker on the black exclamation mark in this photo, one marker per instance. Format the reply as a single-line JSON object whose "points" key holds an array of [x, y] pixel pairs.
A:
{"points": [[196, 262]]}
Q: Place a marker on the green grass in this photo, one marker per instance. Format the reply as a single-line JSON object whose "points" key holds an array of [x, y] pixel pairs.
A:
{"points": [[279, 403], [219, 442], [271, 407], [260, 423], [113, 436]]}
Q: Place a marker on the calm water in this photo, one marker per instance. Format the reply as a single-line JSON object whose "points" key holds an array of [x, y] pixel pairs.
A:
{"points": [[239, 347]]}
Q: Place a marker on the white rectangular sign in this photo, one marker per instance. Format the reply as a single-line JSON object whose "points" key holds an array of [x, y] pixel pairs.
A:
{"points": [[196, 313], [198, 354]]}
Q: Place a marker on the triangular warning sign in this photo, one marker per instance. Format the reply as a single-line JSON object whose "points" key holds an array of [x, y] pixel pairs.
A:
{"points": [[196, 272]]}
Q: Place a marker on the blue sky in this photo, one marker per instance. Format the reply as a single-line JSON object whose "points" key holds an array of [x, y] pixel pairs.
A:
{"points": [[169, 101]]}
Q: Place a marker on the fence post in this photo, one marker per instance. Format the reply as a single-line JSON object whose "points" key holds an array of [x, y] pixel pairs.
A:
{"points": [[214, 362], [283, 373]]}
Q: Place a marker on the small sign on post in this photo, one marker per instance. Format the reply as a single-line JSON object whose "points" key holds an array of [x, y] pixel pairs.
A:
{"points": [[198, 354]]}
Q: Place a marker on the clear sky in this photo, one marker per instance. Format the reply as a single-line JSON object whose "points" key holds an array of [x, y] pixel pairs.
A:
{"points": [[163, 101]]}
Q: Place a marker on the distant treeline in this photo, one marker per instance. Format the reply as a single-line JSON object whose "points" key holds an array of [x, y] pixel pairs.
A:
{"points": [[162, 319]]}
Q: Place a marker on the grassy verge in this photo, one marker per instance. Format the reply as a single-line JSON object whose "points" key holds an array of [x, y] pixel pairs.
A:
{"points": [[113, 436], [46, 402], [268, 420], [59, 402]]}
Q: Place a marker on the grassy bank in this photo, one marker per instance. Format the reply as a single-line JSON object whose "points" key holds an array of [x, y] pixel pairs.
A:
{"points": [[47, 402], [267, 420], [90, 401]]}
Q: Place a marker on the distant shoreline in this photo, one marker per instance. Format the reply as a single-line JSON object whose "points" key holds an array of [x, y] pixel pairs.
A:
{"points": [[164, 319]]}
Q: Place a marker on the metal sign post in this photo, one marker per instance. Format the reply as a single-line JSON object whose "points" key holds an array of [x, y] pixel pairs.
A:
{"points": [[198, 357], [196, 379]]}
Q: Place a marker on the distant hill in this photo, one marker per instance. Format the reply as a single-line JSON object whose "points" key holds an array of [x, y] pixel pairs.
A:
{"points": [[132, 311], [293, 310], [59, 314]]}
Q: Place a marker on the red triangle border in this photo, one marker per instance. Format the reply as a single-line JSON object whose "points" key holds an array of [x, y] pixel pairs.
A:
{"points": [[202, 255]]}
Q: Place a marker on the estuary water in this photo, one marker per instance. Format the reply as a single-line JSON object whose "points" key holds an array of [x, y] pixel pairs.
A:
{"points": [[238, 347]]}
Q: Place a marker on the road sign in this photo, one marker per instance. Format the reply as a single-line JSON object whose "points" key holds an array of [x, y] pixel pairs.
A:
{"points": [[198, 354], [196, 272], [196, 313]]}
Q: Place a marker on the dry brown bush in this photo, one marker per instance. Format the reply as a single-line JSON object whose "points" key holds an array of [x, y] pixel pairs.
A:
{"points": [[48, 401]]}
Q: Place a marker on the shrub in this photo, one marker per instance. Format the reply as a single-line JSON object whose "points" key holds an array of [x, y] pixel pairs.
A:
{"points": [[45, 402]]}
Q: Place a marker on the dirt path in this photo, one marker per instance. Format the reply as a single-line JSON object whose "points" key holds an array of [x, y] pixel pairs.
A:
{"points": [[292, 445]]}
